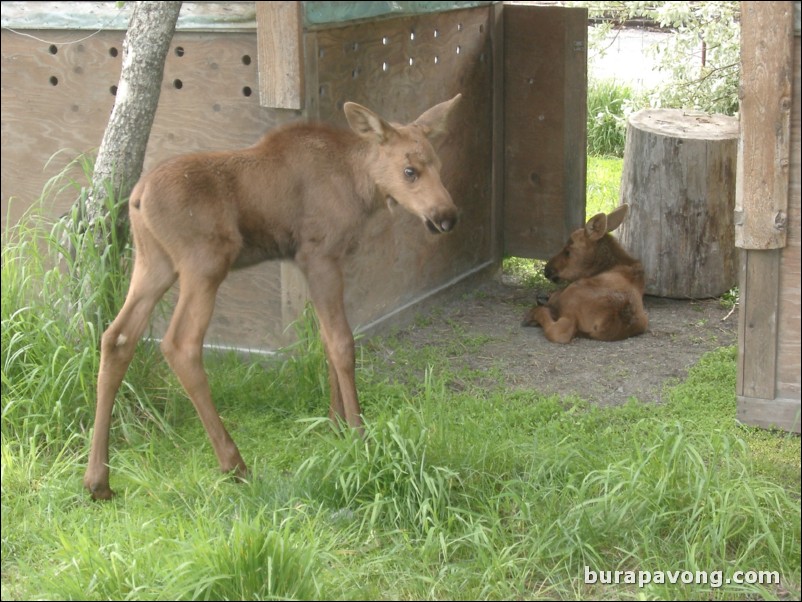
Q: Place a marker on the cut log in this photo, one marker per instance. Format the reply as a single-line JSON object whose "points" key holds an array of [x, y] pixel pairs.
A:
{"points": [[679, 180]]}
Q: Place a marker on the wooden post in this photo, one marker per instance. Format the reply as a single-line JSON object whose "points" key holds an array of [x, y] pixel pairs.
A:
{"points": [[679, 180], [768, 216], [279, 35], [761, 205]]}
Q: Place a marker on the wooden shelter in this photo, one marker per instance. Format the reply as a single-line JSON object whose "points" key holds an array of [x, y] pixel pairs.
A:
{"points": [[514, 163]]}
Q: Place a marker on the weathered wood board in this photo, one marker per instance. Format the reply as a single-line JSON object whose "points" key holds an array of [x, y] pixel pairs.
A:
{"points": [[767, 40], [768, 386], [281, 60], [545, 104]]}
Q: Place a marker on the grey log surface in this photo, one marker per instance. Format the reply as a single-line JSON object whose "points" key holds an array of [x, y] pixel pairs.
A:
{"points": [[679, 180]]}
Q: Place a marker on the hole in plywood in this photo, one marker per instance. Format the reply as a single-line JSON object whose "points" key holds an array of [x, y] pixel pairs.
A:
{"points": [[113, 52], [53, 49], [178, 84], [246, 91], [179, 51], [113, 90], [53, 80], [246, 59]]}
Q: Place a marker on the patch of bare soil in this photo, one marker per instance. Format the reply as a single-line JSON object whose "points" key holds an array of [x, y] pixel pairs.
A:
{"points": [[607, 373]]}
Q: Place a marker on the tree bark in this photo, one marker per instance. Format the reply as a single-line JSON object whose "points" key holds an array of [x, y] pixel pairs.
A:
{"points": [[679, 180], [122, 151]]}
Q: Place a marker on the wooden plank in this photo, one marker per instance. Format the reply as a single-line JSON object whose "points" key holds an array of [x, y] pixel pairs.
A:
{"points": [[770, 413], [761, 204], [545, 95], [497, 218], [757, 324], [279, 31], [56, 99], [790, 308], [768, 383]]}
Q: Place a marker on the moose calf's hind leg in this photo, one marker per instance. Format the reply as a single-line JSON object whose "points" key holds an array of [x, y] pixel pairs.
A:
{"points": [[183, 348], [561, 330]]}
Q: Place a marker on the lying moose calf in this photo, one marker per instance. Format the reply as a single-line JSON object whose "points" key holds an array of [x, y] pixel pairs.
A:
{"points": [[604, 299]]}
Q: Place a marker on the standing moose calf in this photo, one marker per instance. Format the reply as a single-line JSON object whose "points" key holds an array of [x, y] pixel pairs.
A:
{"points": [[604, 299], [302, 192]]}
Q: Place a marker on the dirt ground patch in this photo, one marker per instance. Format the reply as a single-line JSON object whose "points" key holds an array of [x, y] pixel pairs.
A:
{"points": [[680, 332]]}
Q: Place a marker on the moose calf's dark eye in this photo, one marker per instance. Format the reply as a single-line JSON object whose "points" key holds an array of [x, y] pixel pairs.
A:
{"points": [[410, 174]]}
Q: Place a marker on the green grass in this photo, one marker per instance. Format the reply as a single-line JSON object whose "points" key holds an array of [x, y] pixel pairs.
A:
{"points": [[604, 184], [608, 105], [481, 493]]}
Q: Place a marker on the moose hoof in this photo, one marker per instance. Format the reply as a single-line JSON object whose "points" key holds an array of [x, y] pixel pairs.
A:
{"points": [[99, 492], [239, 473]]}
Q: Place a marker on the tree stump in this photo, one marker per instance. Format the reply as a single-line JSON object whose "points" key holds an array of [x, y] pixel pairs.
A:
{"points": [[679, 181]]}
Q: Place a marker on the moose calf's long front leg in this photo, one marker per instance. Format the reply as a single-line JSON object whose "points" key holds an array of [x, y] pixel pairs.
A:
{"points": [[326, 290]]}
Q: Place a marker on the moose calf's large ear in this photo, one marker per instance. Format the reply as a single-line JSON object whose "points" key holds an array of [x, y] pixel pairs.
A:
{"points": [[434, 122], [596, 226], [366, 123], [616, 217]]}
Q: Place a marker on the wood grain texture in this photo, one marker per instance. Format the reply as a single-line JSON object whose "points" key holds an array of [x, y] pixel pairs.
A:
{"points": [[281, 62], [766, 99], [790, 308], [770, 413], [757, 325], [545, 99], [768, 384], [679, 180], [208, 102]]}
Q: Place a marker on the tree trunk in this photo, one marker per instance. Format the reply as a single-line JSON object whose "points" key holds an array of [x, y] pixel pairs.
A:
{"points": [[122, 151], [679, 180]]}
